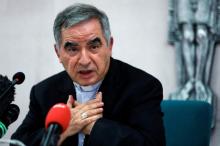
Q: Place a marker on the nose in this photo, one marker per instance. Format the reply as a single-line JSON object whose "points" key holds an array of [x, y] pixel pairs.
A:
{"points": [[84, 59]]}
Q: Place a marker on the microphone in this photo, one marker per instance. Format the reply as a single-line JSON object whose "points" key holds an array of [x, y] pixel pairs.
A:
{"points": [[8, 112], [6, 97], [8, 117], [56, 122], [18, 78]]}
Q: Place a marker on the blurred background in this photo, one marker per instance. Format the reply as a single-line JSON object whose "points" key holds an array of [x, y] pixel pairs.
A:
{"points": [[139, 29]]}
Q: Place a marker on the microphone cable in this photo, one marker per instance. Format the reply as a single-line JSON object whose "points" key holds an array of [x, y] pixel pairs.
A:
{"points": [[12, 141]]}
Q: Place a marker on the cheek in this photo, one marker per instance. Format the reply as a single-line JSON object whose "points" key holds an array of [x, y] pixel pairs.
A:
{"points": [[103, 62], [68, 63], [71, 63]]}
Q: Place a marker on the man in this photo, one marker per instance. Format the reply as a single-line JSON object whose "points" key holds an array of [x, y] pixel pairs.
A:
{"points": [[116, 104]]}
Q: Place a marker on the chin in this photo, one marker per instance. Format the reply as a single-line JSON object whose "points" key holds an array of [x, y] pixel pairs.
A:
{"points": [[87, 83]]}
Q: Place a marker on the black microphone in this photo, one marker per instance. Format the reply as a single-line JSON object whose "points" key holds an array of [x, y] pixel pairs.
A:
{"points": [[8, 117], [56, 122], [7, 92], [8, 112], [18, 78]]}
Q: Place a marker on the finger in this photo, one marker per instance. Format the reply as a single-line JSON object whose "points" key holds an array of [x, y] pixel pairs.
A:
{"points": [[76, 103], [90, 113], [93, 101], [91, 119], [97, 99], [90, 106], [70, 101], [94, 112], [99, 96]]}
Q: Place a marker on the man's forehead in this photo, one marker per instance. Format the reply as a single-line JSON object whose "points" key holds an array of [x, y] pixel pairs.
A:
{"points": [[83, 24], [88, 42], [83, 32]]}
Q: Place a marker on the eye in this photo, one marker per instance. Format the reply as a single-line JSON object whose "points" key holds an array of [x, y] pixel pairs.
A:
{"points": [[95, 46], [70, 48]]}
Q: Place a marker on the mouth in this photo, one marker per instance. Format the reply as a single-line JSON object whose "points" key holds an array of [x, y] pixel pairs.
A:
{"points": [[85, 73]]}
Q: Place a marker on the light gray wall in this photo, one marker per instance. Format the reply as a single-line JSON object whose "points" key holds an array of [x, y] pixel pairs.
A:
{"points": [[139, 28]]}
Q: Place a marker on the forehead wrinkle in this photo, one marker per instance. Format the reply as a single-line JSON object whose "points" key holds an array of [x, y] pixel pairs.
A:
{"points": [[81, 32], [80, 37]]}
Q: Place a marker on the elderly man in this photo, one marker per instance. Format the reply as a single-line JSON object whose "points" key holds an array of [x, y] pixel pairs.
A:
{"points": [[115, 104]]}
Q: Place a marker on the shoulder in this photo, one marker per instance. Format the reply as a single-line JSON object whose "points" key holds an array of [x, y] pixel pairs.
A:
{"points": [[134, 84], [53, 84], [50, 91], [53, 80], [132, 75]]}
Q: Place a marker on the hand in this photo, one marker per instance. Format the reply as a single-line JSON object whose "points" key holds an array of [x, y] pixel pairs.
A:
{"points": [[88, 128], [92, 111]]}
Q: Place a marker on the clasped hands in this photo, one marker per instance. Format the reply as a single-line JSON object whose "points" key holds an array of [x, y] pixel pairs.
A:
{"points": [[83, 116]]}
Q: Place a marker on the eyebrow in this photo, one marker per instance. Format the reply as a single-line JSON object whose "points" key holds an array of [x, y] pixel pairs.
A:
{"points": [[97, 40], [67, 44]]}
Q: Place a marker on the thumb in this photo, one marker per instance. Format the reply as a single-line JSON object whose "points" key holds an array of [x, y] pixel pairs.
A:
{"points": [[70, 101]]}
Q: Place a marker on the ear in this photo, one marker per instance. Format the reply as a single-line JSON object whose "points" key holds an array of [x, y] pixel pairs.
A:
{"points": [[56, 48], [111, 44]]}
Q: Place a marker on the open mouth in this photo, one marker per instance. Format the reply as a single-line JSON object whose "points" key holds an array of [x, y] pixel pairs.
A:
{"points": [[86, 73]]}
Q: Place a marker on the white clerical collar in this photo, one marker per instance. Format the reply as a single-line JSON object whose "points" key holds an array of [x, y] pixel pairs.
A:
{"points": [[87, 88]]}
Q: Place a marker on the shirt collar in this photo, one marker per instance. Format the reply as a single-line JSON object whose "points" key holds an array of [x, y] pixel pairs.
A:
{"points": [[87, 88]]}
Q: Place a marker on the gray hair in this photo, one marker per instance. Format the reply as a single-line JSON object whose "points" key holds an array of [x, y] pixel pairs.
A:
{"points": [[77, 13]]}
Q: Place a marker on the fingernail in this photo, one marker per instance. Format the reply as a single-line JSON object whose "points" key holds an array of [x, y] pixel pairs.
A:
{"points": [[99, 94]]}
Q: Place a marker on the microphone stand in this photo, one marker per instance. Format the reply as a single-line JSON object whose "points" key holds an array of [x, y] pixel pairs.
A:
{"points": [[52, 135]]}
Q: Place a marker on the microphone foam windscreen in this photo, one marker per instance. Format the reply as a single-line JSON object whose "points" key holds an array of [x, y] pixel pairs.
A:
{"points": [[10, 115], [19, 77], [59, 114], [5, 97]]}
